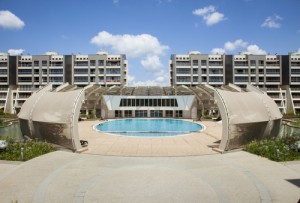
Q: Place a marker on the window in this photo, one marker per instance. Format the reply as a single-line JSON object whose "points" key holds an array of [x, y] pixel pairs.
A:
{"points": [[156, 113], [159, 102], [183, 63], [25, 72], [183, 71], [241, 79], [101, 62], [128, 102], [215, 63], [195, 62], [93, 71], [56, 71], [274, 71], [79, 71], [172, 102], [101, 71], [3, 64], [152, 102], [92, 63], [128, 114], [273, 79], [178, 114], [138, 102], [141, 113], [3, 71], [148, 102], [241, 71], [81, 63], [261, 79], [203, 62], [142, 102], [252, 63], [44, 63], [118, 114], [36, 63], [168, 103], [169, 114], [261, 63], [81, 79]]}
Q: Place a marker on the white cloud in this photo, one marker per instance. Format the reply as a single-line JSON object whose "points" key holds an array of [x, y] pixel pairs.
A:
{"points": [[214, 18], [209, 15], [130, 78], [218, 51], [146, 83], [234, 45], [272, 22], [298, 50], [132, 45], [204, 11], [9, 20], [239, 45], [160, 79], [115, 1], [152, 63], [254, 49], [144, 47], [15, 51]]}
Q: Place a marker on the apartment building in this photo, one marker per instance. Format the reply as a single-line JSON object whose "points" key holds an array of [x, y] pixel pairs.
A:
{"points": [[294, 80], [277, 75], [196, 68], [101, 68], [4, 79], [20, 76]]}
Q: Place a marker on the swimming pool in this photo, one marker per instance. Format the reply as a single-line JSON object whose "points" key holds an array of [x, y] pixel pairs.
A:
{"points": [[149, 127]]}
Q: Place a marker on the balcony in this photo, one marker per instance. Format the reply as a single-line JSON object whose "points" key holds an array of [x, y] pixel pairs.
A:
{"points": [[24, 89], [115, 64]]}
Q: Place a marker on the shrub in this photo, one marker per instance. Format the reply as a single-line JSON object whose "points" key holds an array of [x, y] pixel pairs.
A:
{"points": [[32, 149], [3, 124], [83, 116], [279, 149], [295, 123], [7, 115]]}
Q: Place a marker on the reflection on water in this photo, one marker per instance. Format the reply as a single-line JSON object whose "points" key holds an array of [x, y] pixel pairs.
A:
{"points": [[12, 131]]}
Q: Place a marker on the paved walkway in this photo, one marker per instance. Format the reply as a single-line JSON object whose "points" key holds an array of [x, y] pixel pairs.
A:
{"points": [[69, 177], [185, 145]]}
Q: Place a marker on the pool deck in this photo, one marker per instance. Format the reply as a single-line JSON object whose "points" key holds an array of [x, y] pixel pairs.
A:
{"points": [[184, 145], [109, 171], [71, 177]]}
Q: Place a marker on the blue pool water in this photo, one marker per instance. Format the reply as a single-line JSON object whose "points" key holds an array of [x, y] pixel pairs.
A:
{"points": [[149, 127]]}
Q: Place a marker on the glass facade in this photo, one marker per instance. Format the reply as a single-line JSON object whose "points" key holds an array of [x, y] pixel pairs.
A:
{"points": [[149, 102]]}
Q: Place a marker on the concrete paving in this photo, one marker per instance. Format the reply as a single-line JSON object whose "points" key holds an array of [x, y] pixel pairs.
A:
{"points": [[69, 177], [185, 145]]}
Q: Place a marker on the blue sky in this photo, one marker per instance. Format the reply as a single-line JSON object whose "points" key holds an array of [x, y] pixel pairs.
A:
{"points": [[149, 31]]}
